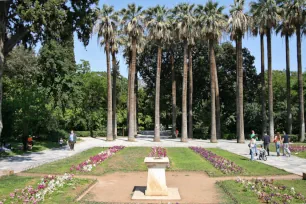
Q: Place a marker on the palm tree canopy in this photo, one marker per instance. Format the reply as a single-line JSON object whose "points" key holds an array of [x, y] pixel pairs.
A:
{"points": [[297, 12], [185, 22], [266, 14], [285, 27], [132, 21], [158, 25], [106, 24], [211, 20], [238, 22]]}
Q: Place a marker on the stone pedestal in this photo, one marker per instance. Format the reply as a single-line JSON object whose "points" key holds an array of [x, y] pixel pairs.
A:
{"points": [[156, 183]]}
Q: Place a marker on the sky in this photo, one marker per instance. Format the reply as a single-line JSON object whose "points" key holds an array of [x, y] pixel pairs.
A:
{"points": [[96, 56]]}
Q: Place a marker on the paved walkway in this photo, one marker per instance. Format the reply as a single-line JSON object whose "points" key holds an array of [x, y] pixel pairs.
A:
{"points": [[293, 164]]}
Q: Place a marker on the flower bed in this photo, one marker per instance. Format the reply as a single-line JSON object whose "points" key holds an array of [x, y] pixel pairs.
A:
{"points": [[269, 193], [33, 195], [297, 148], [89, 164], [158, 152], [224, 165]]}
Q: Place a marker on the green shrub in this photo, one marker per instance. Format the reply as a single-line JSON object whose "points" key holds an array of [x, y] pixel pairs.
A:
{"points": [[229, 136], [98, 133], [294, 138]]}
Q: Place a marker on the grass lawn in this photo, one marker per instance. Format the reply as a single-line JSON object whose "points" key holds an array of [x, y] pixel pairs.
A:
{"points": [[69, 192], [251, 168], [184, 159], [9, 183], [241, 196], [63, 165], [236, 191], [38, 146]]}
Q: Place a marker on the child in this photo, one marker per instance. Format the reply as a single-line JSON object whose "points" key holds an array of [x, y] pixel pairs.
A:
{"points": [[61, 142], [262, 153]]}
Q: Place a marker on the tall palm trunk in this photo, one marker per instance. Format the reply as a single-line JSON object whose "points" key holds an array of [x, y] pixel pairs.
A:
{"points": [[157, 97], [190, 97], [114, 62], [300, 81], [289, 114], [263, 87], [1, 71], [237, 96], [109, 96], [270, 86], [135, 105], [131, 136], [129, 85], [173, 96], [213, 136], [184, 135], [240, 90], [218, 108]]}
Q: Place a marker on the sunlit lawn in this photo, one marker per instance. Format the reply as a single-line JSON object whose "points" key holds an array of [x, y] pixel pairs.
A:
{"points": [[252, 168], [9, 183], [63, 165], [242, 196]]}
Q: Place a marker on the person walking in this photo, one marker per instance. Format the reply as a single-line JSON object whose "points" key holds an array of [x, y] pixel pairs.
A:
{"points": [[285, 142], [278, 140], [266, 142], [252, 146], [72, 140], [253, 136]]}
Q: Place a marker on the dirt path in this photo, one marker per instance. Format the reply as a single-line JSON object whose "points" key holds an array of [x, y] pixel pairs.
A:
{"points": [[194, 187]]}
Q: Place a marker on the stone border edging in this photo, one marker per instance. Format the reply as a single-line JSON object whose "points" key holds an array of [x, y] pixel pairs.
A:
{"points": [[85, 191]]}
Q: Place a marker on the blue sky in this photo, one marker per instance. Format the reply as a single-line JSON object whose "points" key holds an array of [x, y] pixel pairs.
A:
{"points": [[96, 56]]}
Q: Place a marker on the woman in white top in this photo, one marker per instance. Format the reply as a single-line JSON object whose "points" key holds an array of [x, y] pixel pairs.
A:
{"points": [[252, 146]]}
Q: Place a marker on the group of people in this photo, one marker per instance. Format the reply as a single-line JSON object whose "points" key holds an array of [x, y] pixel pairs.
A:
{"points": [[71, 140], [280, 141]]}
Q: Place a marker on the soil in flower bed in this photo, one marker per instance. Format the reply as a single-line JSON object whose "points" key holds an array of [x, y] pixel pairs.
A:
{"points": [[9, 183], [251, 168], [62, 166]]}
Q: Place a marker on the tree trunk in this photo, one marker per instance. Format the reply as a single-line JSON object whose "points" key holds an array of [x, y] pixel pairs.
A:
{"points": [[129, 85], [184, 136], [237, 96], [270, 91], [115, 70], [300, 81], [173, 97], [3, 13], [131, 136], [190, 97], [135, 101], [213, 136], [263, 87], [109, 96], [157, 97], [240, 90], [218, 108], [289, 114]]}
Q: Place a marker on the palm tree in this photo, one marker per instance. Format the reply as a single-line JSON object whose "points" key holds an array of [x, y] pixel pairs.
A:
{"points": [[115, 42], [158, 28], [105, 27], [185, 21], [296, 13], [212, 22], [266, 15], [237, 26], [133, 26], [286, 29], [171, 44]]}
